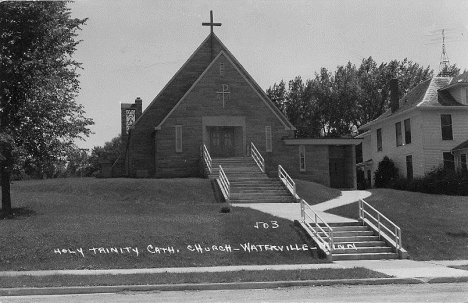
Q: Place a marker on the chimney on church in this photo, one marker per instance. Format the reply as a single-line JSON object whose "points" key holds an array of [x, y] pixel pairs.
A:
{"points": [[394, 100], [129, 113]]}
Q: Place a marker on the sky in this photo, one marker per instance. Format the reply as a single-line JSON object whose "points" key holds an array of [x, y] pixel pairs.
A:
{"points": [[132, 48]]}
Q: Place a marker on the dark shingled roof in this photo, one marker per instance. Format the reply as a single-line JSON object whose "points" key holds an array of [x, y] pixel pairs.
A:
{"points": [[461, 146], [426, 94]]}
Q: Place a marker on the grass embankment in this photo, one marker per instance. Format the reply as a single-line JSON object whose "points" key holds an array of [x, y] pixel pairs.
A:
{"points": [[138, 223], [434, 227], [181, 278]]}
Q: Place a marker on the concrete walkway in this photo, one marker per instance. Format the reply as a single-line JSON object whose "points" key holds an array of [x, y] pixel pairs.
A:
{"points": [[397, 268], [292, 211]]}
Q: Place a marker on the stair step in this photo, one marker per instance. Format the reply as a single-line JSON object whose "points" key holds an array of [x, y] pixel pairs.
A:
{"points": [[341, 224], [351, 233], [355, 239], [348, 249], [365, 256], [363, 244], [348, 228]]}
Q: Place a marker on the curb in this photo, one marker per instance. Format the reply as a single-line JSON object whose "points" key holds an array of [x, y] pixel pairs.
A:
{"points": [[449, 280], [31, 291]]}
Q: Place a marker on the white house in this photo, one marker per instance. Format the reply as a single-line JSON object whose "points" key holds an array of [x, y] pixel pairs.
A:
{"points": [[426, 128]]}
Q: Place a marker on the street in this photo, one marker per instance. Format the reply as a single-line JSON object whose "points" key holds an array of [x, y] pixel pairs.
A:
{"points": [[443, 292]]}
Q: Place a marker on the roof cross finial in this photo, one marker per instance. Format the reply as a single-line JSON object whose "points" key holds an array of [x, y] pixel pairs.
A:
{"points": [[211, 24]]}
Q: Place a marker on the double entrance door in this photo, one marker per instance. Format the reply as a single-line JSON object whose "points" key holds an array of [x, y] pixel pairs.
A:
{"points": [[222, 141]]}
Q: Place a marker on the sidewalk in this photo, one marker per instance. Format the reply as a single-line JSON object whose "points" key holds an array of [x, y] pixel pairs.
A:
{"points": [[292, 211]]}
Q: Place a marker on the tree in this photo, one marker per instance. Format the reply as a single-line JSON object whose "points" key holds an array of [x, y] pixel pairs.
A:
{"points": [[111, 150], [39, 82]]}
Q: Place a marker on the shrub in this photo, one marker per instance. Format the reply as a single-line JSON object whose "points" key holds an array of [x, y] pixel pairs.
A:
{"points": [[386, 174], [440, 181], [225, 210]]}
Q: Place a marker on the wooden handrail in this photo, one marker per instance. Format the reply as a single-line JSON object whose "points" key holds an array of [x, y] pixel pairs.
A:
{"points": [[206, 157], [392, 231], [326, 241], [224, 183], [257, 157], [288, 181]]}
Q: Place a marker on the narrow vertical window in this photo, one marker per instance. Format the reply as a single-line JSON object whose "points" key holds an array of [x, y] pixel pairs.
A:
{"points": [[407, 131], [130, 118], [178, 135], [379, 139], [446, 125], [464, 167], [409, 167], [398, 133], [221, 69], [268, 142], [449, 161], [302, 165]]}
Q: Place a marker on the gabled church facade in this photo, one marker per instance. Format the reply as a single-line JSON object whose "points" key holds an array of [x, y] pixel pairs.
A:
{"points": [[213, 104], [211, 100]]}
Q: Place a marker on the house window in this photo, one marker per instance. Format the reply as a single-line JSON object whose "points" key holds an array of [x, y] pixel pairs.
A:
{"points": [[268, 143], [407, 123], [178, 135], [464, 167], [379, 139], [449, 161], [398, 133], [446, 125], [409, 167], [302, 165]]}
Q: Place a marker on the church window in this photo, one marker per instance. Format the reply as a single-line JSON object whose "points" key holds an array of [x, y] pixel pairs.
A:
{"points": [[221, 69], [269, 146], [302, 165], [130, 118], [178, 135]]}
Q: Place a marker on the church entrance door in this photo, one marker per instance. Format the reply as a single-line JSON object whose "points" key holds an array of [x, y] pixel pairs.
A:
{"points": [[222, 141]]}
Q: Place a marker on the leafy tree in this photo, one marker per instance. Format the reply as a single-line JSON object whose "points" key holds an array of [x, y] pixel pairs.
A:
{"points": [[111, 150], [39, 82]]}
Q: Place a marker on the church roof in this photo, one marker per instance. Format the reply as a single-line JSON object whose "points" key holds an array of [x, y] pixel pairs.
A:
{"points": [[185, 78], [429, 93], [463, 145]]}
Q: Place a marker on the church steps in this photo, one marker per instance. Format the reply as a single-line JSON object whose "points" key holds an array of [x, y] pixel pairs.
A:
{"points": [[355, 241], [248, 184]]}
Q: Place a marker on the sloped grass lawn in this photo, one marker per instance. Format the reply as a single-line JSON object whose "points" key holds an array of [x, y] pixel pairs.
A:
{"points": [[434, 227], [139, 223], [180, 278]]}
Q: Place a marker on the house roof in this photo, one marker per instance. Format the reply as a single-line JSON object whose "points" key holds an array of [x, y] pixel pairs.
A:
{"points": [[464, 145], [429, 93], [190, 72]]}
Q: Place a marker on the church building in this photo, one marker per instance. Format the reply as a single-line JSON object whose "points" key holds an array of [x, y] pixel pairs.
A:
{"points": [[213, 102]]}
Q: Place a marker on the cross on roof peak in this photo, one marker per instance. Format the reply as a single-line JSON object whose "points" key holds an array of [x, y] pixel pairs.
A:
{"points": [[211, 24]]}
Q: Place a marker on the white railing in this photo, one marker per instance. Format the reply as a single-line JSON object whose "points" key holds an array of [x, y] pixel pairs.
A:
{"points": [[224, 184], [288, 181], [322, 232], [257, 157], [206, 157], [382, 224]]}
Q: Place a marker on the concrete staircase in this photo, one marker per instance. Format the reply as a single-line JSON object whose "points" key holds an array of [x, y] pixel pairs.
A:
{"points": [[248, 183], [354, 241]]}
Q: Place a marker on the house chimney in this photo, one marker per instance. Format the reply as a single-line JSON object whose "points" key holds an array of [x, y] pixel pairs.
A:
{"points": [[394, 104]]}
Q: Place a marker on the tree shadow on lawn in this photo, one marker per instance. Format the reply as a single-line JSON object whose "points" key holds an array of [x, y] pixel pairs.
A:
{"points": [[18, 213]]}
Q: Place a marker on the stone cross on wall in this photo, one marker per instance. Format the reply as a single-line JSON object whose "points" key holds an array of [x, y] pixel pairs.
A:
{"points": [[224, 92]]}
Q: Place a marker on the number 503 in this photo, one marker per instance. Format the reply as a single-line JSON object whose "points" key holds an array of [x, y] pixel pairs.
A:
{"points": [[266, 225]]}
